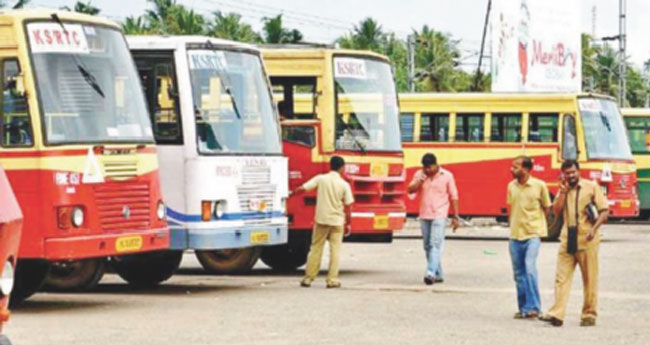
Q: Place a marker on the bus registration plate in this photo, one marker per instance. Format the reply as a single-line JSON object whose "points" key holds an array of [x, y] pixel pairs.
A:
{"points": [[128, 243], [380, 222], [626, 203], [260, 237]]}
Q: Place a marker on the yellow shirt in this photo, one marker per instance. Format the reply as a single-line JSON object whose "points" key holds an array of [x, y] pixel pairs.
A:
{"points": [[527, 218], [589, 191], [333, 193]]}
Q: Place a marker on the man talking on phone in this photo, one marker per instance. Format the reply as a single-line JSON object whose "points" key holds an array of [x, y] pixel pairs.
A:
{"points": [[437, 189], [585, 209]]}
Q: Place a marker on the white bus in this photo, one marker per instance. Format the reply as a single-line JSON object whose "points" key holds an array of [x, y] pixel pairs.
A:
{"points": [[224, 179]]}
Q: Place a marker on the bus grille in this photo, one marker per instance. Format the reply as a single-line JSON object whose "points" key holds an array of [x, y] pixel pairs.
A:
{"points": [[123, 206], [253, 195], [256, 175], [121, 171]]}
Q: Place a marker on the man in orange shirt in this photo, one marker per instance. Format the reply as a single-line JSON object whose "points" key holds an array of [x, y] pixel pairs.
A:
{"points": [[437, 190]]}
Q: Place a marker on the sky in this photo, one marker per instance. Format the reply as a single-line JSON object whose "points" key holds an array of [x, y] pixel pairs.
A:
{"points": [[325, 20]]}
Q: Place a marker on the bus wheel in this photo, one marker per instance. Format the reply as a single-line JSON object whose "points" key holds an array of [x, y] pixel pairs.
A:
{"points": [[554, 226], [80, 275], [28, 278], [229, 261], [147, 269], [4, 340], [285, 257]]}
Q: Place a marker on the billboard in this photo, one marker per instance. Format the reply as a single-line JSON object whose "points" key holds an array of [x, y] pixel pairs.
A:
{"points": [[536, 46]]}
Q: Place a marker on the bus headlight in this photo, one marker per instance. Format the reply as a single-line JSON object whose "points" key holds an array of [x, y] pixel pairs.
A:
{"points": [[220, 208], [7, 279], [161, 211], [77, 217], [283, 205]]}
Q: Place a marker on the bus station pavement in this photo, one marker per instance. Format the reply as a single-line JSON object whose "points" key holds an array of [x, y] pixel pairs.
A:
{"points": [[382, 301]]}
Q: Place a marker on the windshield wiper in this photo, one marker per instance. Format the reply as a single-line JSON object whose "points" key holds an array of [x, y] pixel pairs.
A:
{"points": [[605, 121], [346, 127], [88, 77], [225, 85]]}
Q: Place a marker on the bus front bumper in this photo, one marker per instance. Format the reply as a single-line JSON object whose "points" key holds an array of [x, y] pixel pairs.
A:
{"points": [[228, 237], [368, 222], [103, 245]]}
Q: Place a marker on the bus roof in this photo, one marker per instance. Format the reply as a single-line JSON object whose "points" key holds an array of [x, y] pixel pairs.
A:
{"points": [[297, 51], [171, 42], [21, 15], [497, 96], [635, 111]]}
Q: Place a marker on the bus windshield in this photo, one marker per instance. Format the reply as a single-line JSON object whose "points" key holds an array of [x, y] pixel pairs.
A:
{"points": [[605, 135], [87, 85], [232, 103], [367, 112]]}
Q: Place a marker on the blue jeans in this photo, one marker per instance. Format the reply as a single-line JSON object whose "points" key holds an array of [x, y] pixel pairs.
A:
{"points": [[524, 258], [433, 236]]}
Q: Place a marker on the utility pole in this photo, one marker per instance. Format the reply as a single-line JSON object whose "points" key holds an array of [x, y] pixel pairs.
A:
{"points": [[410, 42], [622, 44], [477, 78]]}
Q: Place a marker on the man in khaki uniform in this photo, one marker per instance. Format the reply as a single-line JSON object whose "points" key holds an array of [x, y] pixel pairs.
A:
{"points": [[529, 203], [334, 196], [580, 240]]}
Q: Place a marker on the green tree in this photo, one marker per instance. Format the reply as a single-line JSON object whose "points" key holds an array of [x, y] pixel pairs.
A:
{"points": [[83, 7], [157, 17], [367, 35], [229, 26], [437, 59], [181, 21], [135, 26], [275, 33]]}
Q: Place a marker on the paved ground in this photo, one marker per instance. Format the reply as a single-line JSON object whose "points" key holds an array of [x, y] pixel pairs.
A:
{"points": [[382, 301]]}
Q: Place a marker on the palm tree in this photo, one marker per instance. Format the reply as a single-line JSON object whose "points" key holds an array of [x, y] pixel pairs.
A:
{"points": [[82, 7], [158, 16], [17, 5], [436, 58], [230, 27], [135, 26], [274, 32], [181, 21], [367, 35]]}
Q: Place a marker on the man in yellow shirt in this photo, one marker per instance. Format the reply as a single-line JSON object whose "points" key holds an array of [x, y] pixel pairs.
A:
{"points": [[579, 244], [529, 203], [333, 200]]}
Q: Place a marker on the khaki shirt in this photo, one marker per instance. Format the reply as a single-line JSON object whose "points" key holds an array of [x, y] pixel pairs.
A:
{"points": [[333, 193], [589, 191], [527, 218]]}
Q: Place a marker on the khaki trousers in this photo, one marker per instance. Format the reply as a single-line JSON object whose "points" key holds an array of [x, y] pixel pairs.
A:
{"points": [[587, 259], [334, 234]]}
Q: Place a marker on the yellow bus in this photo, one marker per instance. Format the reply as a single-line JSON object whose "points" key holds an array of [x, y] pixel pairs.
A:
{"points": [[637, 121], [338, 102], [476, 136]]}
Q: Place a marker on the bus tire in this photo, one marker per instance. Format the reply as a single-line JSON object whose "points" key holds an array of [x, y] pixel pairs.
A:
{"points": [[79, 275], [285, 258], [229, 261], [28, 278], [554, 227], [4, 340], [147, 269]]}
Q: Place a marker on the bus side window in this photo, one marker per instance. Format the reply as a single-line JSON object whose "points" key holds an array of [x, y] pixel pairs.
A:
{"points": [[434, 127], [406, 126], [543, 127], [159, 83], [569, 143], [296, 97], [638, 132], [506, 128], [303, 135], [16, 128], [469, 127]]}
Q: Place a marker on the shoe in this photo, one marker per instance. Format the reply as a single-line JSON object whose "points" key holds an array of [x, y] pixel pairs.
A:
{"points": [[552, 320], [429, 280], [588, 322], [334, 285], [530, 315], [305, 283], [439, 280]]}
